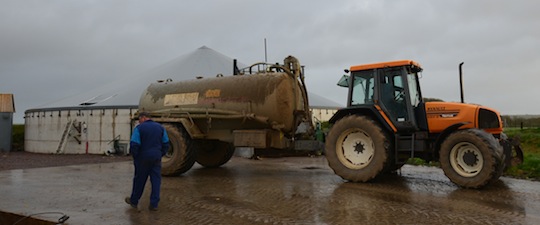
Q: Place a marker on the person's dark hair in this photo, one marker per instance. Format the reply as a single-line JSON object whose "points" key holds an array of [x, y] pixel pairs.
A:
{"points": [[144, 114]]}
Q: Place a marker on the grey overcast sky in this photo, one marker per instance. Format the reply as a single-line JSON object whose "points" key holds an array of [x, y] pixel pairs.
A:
{"points": [[57, 48]]}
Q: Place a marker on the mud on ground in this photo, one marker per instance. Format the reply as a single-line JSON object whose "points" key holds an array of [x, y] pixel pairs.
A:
{"points": [[292, 190], [27, 160]]}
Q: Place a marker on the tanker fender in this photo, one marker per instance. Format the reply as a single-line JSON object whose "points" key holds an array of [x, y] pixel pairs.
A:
{"points": [[192, 129]]}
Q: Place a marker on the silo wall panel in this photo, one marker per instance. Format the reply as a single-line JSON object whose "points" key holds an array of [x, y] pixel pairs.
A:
{"points": [[97, 129], [42, 132], [104, 127]]}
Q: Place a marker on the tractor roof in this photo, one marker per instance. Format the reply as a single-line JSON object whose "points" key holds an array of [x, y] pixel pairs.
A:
{"points": [[385, 64]]}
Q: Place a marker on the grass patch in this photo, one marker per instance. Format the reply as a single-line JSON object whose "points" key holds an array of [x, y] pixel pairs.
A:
{"points": [[421, 162], [416, 162], [18, 137], [530, 138], [530, 169]]}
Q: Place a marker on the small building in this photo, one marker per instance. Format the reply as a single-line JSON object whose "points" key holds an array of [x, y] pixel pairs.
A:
{"points": [[322, 109], [7, 108]]}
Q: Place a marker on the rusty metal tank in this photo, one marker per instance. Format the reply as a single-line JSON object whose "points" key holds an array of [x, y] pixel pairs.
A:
{"points": [[273, 99]]}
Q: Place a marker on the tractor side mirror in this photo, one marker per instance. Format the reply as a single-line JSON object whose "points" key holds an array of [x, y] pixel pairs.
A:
{"points": [[344, 81]]}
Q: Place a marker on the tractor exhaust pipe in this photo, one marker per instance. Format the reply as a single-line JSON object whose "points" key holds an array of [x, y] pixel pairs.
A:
{"points": [[236, 71], [461, 81]]}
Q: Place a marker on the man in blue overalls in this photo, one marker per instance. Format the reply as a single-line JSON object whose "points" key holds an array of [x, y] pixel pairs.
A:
{"points": [[149, 142]]}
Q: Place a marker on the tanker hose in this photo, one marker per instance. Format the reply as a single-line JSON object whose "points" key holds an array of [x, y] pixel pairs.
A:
{"points": [[296, 70]]}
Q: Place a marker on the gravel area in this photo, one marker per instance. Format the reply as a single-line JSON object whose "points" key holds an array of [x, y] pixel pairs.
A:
{"points": [[26, 160]]}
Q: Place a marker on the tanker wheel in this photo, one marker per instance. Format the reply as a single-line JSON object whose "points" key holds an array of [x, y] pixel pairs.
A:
{"points": [[213, 153], [471, 158], [180, 157], [357, 149]]}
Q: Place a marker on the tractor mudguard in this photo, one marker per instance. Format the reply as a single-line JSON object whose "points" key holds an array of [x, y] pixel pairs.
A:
{"points": [[447, 132]]}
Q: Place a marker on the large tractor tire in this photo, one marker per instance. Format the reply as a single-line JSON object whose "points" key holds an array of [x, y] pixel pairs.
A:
{"points": [[471, 158], [180, 157], [357, 149], [210, 153]]}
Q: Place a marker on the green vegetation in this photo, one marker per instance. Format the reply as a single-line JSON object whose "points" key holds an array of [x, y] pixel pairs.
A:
{"points": [[530, 143], [421, 162], [17, 143]]}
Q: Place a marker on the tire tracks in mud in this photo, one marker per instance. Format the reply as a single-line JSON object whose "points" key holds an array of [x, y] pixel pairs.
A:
{"points": [[313, 195], [475, 207]]}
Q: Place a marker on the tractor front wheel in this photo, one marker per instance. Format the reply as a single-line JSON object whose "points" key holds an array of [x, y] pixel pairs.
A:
{"points": [[471, 158]]}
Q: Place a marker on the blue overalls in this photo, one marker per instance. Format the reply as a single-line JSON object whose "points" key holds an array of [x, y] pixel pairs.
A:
{"points": [[149, 142]]}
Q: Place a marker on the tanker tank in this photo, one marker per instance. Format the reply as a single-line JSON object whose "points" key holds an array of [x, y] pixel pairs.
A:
{"points": [[206, 119], [270, 99]]}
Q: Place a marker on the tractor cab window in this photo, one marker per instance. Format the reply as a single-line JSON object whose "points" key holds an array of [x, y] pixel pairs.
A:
{"points": [[393, 94], [362, 91]]}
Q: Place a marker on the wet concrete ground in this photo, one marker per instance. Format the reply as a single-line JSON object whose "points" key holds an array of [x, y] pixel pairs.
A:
{"points": [[296, 190]]}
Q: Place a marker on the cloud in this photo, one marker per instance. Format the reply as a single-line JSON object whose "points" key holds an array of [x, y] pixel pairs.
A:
{"points": [[50, 49]]}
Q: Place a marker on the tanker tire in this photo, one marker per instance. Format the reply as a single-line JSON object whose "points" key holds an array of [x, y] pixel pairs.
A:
{"points": [[180, 157], [471, 158], [357, 149], [213, 154]]}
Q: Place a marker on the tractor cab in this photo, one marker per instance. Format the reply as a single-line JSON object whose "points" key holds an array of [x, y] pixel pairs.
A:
{"points": [[392, 89]]}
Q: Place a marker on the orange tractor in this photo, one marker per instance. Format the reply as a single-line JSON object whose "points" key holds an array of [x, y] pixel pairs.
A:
{"points": [[386, 122]]}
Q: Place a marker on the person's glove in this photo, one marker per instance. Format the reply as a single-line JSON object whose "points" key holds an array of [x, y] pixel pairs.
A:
{"points": [[164, 149]]}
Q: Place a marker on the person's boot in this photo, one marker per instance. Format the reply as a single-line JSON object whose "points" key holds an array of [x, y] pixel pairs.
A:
{"points": [[128, 201]]}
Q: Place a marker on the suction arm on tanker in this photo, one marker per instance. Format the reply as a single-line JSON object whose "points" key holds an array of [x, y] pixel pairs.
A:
{"points": [[298, 72], [295, 70]]}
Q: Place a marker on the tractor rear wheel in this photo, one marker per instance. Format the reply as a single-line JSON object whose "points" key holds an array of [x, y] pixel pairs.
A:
{"points": [[471, 158], [357, 149], [180, 157], [211, 153]]}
